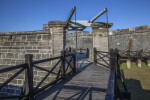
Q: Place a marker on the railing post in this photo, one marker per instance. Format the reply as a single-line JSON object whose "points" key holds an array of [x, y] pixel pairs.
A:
{"points": [[74, 62], [118, 65], [87, 53], [63, 63], [29, 77], [94, 56], [113, 59], [69, 49]]}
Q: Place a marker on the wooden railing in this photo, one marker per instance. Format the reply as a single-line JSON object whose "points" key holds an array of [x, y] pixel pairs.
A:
{"points": [[110, 60], [101, 57], [134, 54], [80, 51], [28, 92], [113, 91], [23, 67]]}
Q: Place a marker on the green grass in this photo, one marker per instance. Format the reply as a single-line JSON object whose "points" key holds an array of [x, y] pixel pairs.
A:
{"points": [[137, 80]]}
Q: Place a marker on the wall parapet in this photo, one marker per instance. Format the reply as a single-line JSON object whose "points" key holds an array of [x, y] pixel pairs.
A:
{"points": [[23, 33], [138, 29]]}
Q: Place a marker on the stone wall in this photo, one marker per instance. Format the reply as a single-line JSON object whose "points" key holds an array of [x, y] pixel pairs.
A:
{"points": [[84, 40], [14, 45], [131, 38]]}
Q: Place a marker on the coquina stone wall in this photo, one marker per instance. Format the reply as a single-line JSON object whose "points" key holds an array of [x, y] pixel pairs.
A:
{"points": [[84, 40], [133, 39]]}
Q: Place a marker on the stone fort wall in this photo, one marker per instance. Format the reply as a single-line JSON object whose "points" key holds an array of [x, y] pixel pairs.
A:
{"points": [[84, 40], [133, 39]]}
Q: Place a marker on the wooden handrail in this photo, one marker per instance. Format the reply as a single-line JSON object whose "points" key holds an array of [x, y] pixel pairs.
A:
{"points": [[28, 90], [12, 68]]}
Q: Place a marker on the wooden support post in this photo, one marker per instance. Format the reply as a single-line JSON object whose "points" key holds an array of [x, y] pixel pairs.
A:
{"points": [[128, 63], [94, 56], [29, 77], [69, 49], [87, 53], [113, 59], [118, 65], [74, 62], [63, 63]]}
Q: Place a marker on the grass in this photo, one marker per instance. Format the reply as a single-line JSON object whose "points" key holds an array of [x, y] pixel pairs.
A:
{"points": [[137, 81]]}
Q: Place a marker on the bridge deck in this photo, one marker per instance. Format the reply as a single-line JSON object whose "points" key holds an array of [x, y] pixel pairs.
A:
{"points": [[89, 83]]}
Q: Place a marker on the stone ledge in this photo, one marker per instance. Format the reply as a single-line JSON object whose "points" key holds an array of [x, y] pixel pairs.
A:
{"points": [[57, 23], [101, 25], [22, 33]]}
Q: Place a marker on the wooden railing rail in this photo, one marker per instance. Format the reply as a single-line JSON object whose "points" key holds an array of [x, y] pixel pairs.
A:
{"points": [[134, 54], [21, 68], [28, 91]]}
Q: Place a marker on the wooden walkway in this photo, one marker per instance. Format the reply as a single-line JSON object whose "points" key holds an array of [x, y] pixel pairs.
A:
{"points": [[89, 83]]}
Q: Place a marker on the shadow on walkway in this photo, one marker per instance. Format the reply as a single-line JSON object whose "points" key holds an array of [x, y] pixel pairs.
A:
{"points": [[73, 90]]}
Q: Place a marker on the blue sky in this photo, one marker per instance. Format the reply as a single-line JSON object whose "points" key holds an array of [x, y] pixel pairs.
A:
{"points": [[28, 15]]}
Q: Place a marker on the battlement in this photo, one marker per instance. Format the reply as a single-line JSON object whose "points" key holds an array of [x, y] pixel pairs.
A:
{"points": [[138, 29]]}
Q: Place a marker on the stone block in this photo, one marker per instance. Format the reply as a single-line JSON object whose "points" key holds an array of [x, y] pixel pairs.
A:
{"points": [[19, 81], [10, 55], [139, 63], [32, 51], [38, 56], [41, 73], [45, 37], [31, 38], [128, 63], [39, 37], [19, 62], [148, 62], [37, 78], [34, 44]]}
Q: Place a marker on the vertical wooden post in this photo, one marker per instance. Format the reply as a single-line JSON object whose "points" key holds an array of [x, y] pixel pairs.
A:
{"points": [[63, 63], [69, 49], [29, 77], [113, 59], [94, 56], [87, 53], [113, 65], [118, 65], [74, 62]]}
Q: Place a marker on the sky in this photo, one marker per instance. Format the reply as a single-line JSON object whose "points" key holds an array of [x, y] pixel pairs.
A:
{"points": [[28, 15]]}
